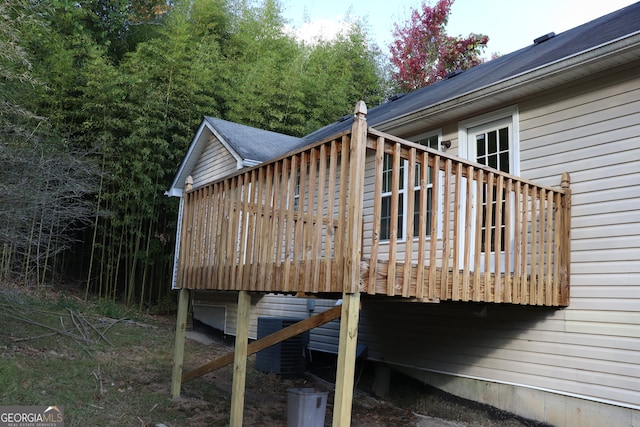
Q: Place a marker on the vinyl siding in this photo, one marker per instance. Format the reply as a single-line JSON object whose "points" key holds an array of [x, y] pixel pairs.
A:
{"points": [[323, 338], [215, 162], [591, 348], [592, 131]]}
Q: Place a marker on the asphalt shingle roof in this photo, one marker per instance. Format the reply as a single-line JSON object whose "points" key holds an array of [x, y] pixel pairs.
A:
{"points": [[600, 31], [252, 143]]}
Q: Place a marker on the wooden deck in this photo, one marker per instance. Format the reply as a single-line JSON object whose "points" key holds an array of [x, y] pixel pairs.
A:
{"points": [[484, 287], [310, 222]]}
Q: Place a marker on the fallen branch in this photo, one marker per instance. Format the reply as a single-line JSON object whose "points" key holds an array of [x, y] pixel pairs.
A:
{"points": [[77, 325], [115, 322], [100, 333], [51, 328], [35, 337]]}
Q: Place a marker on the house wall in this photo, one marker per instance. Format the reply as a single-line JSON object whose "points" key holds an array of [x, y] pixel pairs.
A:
{"points": [[215, 162], [209, 304], [576, 366], [591, 349]]}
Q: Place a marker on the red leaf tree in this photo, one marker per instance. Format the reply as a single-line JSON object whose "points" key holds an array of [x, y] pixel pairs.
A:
{"points": [[422, 53]]}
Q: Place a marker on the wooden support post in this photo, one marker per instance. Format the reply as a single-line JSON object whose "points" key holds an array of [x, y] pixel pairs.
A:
{"points": [[240, 359], [351, 287], [346, 360], [178, 352]]}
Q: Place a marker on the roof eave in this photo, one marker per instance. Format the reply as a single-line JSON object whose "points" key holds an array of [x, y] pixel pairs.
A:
{"points": [[531, 81], [193, 153]]}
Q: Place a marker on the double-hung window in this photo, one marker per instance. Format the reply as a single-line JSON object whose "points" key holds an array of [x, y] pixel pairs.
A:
{"points": [[431, 141]]}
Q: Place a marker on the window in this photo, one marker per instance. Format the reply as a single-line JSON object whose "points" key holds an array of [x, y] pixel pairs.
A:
{"points": [[431, 141], [296, 193], [492, 140], [492, 149]]}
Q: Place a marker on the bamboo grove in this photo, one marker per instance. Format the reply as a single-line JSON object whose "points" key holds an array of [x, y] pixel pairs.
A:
{"points": [[99, 102]]}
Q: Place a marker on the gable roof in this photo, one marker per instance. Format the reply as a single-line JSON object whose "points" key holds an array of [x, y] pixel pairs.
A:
{"points": [[603, 43], [253, 145], [248, 145], [556, 59]]}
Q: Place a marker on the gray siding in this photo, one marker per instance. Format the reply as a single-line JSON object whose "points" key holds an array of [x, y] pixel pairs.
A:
{"points": [[590, 349], [323, 338], [215, 162]]}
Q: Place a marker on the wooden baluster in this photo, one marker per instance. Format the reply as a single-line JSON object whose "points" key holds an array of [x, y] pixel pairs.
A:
{"points": [[299, 241], [466, 244], [234, 229], [281, 209], [518, 270], [290, 224], [393, 222], [409, 215], [266, 277], [446, 227], [489, 293], [250, 261], [319, 225], [533, 295], [330, 243], [259, 242], [508, 251], [499, 197], [341, 232], [377, 215], [422, 226], [242, 256], [455, 241], [549, 251], [435, 220], [478, 295]]}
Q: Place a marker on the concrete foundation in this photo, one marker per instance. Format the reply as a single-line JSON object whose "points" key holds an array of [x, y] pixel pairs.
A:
{"points": [[551, 408]]}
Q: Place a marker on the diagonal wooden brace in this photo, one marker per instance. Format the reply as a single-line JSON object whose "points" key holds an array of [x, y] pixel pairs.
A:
{"points": [[275, 338]]}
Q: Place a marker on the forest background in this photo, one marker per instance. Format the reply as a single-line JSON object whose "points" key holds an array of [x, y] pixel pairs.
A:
{"points": [[99, 100]]}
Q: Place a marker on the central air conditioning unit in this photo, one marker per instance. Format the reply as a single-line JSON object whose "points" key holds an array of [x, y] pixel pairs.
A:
{"points": [[285, 358]]}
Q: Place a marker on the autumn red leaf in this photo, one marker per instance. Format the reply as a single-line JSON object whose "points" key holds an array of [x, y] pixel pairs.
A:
{"points": [[422, 53]]}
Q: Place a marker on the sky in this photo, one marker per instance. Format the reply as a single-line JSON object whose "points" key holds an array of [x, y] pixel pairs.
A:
{"points": [[510, 24]]}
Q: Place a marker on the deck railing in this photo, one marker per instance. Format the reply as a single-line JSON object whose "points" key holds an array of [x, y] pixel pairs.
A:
{"points": [[279, 226], [297, 225], [486, 235]]}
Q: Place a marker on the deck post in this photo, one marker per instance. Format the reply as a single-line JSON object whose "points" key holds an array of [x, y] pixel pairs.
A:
{"points": [[351, 287], [240, 360], [345, 372], [178, 352]]}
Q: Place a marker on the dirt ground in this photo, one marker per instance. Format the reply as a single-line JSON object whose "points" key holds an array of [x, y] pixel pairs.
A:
{"points": [[95, 357], [409, 403]]}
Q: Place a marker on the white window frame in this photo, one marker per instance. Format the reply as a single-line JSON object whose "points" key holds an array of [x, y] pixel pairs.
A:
{"points": [[467, 150], [403, 191]]}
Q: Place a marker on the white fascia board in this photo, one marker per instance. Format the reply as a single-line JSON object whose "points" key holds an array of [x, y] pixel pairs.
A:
{"points": [[234, 153], [184, 170], [247, 163]]}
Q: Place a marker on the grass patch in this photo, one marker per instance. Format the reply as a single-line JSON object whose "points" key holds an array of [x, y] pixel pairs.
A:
{"points": [[105, 365]]}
